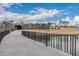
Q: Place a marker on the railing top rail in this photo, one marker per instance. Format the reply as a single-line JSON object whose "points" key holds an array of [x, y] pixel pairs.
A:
{"points": [[56, 32]]}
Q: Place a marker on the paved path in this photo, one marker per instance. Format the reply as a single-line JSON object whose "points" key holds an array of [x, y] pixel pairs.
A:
{"points": [[14, 44]]}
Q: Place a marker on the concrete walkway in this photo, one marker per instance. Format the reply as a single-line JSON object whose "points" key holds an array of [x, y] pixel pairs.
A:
{"points": [[14, 44]]}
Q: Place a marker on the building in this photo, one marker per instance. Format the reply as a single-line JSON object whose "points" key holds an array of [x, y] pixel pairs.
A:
{"points": [[63, 23]]}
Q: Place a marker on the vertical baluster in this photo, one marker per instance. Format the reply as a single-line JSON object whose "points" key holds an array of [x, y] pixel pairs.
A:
{"points": [[51, 40], [75, 44], [60, 42], [46, 39], [72, 45], [42, 37], [35, 35], [54, 41], [67, 43]]}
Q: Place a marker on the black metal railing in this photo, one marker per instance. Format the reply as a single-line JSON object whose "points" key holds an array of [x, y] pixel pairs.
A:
{"points": [[2, 34], [66, 43]]}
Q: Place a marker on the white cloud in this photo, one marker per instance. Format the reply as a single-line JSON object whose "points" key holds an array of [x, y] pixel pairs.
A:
{"points": [[2, 10], [72, 21], [76, 19], [66, 19], [40, 14], [3, 6], [7, 5], [41, 10], [67, 10]]}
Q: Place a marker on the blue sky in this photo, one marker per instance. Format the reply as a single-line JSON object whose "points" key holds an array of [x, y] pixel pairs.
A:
{"points": [[69, 10], [29, 6]]}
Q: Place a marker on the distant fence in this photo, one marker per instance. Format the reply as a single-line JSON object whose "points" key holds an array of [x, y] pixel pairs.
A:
{"points": [[66, 43], [2, 34]]}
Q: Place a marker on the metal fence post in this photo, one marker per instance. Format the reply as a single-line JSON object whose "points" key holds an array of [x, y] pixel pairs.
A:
{"points": [[61, 43], [46, 39], [75, 44], [51, 40], [67, 43]]}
